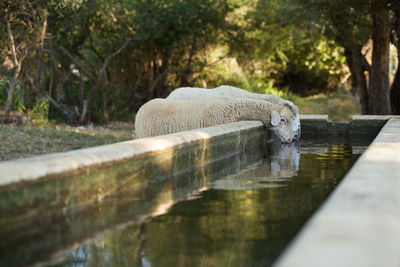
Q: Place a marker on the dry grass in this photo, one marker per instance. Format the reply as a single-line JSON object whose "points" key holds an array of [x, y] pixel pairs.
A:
{"points": [[339, 106], [18, 142]]}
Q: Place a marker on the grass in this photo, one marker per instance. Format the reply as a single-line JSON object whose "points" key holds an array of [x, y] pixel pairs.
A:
{"points": [[339, 106], [19, 142]]}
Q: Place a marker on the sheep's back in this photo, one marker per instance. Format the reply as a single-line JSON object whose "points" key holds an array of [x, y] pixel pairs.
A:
{"points": [[164, 116]]}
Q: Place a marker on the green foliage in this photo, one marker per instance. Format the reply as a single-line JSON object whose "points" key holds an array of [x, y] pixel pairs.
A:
{"points": [[39, 113], [262, 46], [229, 72], [286, 50], [17, 102], [4, 85], [167, 39]]}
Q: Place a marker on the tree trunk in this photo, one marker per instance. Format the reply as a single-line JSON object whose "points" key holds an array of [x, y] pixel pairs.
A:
{"points": [[11, 92], [379, 75], [395, 88], [349, 61], [188, 72], [355, 63], [354, 58], [162, 88], [40, 52], [17, 65], [358, 78], [106, 115]]}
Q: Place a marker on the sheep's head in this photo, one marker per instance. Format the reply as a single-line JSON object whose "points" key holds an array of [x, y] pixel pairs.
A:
{"points": [[296, 119], [296, 127], [281, 123]]}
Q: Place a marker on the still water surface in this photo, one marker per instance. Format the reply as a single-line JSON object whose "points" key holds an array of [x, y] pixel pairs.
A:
{"points": [[245, 218]]}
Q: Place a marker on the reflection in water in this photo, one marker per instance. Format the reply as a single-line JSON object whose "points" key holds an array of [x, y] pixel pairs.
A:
{"points": [[231, 224], [281, 162]]}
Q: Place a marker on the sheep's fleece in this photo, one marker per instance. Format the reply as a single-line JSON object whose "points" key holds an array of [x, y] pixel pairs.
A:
{"points": [[194, 93], [164, 116]]}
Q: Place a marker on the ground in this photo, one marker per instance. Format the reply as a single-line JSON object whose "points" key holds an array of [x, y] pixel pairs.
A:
{"points": [[26, 141], [339, 106]]}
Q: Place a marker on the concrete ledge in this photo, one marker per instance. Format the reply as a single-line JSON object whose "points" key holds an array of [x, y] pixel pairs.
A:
{"points": [[78, 160], [313, 117], [359, 224], [373, 117], [361, 125]]}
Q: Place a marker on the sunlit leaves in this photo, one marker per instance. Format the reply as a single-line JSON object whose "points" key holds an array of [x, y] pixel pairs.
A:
{"points": [[70, 4]]}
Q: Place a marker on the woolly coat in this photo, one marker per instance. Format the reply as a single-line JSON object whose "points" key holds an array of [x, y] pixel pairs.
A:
{"points": [[164, 116], [194, 93]]}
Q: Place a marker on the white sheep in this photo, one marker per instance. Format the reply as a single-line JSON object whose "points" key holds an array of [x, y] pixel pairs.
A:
{"points": [[164, 116], [194, 93]]}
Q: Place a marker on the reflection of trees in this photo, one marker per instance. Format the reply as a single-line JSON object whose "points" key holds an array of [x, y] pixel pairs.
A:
{"points": [[227, 228], [121, 248]]}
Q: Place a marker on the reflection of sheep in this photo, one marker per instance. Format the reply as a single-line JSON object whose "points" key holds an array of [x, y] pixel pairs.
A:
{"points": [[164, 116], [281, 163], [284, 158], [193, 93]]}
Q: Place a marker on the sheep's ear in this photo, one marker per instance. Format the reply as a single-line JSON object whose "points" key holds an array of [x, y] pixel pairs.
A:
{"points": [[275, 118]]}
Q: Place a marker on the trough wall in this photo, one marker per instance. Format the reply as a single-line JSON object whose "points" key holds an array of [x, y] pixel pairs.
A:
{"points": [[359, 224]]}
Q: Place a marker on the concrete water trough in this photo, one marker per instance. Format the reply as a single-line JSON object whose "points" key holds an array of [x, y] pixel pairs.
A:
{"points": [[357, 226]]}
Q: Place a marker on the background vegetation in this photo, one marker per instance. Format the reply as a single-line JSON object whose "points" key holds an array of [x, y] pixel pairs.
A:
{"points": [[82, 61]]}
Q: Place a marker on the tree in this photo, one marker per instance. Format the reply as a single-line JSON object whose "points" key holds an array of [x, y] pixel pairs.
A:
{"points": [[17, 66], [379, 76], [350, 24], [289, 55], [25, 23], [395, 88], [97, 59]]}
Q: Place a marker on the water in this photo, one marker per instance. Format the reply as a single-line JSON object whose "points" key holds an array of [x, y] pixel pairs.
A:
{"points": [[244, 217]]}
